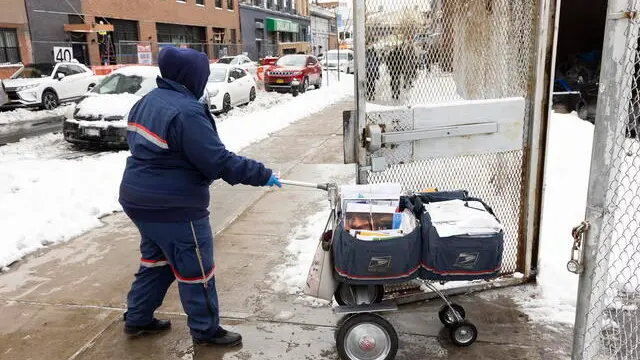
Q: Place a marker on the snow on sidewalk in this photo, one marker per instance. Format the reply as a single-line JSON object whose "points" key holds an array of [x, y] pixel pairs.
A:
{"points": [[45, 200]]}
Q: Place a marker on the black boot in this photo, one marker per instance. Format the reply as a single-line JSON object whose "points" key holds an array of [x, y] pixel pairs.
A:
{"points": [[221, 338], [154, 327]]}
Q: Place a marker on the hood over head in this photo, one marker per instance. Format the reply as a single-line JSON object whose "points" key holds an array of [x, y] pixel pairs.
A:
{"points": [[185, 66]]}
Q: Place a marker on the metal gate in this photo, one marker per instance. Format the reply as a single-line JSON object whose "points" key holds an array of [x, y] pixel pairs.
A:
{"points": [[453, 94], [607, 322]]}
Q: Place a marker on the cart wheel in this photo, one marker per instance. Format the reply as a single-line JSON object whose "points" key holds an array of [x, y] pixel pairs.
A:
{"points": [[463, 333], [447, 317], [358, 294], [367, 337]]}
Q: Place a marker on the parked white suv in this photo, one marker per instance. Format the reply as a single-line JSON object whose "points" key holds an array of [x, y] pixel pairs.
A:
{"points": [[46, 85]]}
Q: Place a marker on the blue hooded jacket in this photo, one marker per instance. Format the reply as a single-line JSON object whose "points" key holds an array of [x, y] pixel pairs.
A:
{"points": [[175, 150]]}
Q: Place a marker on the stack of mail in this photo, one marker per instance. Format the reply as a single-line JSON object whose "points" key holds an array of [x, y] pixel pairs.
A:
{"points": [[457, 217]]}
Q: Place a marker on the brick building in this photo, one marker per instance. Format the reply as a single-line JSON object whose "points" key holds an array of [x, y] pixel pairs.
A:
{"points": [[15, 43], [109, 32]]}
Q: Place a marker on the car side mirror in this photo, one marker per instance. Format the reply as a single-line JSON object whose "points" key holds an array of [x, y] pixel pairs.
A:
{"points": [[90, 87], [60, 76], [232, 79]]}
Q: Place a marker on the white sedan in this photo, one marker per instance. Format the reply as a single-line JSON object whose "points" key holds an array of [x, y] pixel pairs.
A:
{"points": [[46, 85], [240, 61], [229, 86]]}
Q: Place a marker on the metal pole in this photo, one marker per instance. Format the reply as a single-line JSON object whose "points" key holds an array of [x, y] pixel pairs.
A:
{"points": [[549, 15], [619, 40], [359, 84]]}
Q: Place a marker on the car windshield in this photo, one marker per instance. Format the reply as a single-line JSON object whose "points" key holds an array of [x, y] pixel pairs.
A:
{"points": [[218, 75], [225, 60], [334, 56], [121, 84], [292, 60], [34, 71]]}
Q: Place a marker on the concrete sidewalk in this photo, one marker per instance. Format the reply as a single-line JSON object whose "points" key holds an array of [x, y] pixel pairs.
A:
{"points": [[67, 302]]}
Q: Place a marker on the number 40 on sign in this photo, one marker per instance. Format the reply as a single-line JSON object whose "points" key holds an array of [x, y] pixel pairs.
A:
{"points": [[62, 54]]}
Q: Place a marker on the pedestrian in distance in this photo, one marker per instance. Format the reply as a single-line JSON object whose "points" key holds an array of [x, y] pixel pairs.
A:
{"points": [[176, 154], [372, 66]]}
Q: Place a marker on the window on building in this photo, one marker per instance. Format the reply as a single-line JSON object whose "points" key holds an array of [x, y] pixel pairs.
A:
{"points": [[218, 35], [219, 4], [182, 35], [257, 2], [270, 4], [229, 4], [200, 2], [9, 49]]}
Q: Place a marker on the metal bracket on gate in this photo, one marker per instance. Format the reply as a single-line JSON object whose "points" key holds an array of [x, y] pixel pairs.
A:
{"points": [[375, 137], [578, 233]]}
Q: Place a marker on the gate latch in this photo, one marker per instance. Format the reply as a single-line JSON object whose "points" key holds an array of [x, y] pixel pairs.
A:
{"points": [[578, 233]]}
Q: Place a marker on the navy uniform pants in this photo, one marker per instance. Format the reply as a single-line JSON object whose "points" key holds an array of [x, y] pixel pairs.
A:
{"points": [[170, 251]]}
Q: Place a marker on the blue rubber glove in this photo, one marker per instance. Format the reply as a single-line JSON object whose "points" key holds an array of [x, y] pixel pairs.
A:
{"points": [[273, 180]]}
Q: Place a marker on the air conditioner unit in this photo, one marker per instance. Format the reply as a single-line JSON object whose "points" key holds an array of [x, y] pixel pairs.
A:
{"points": [[259, 25]]}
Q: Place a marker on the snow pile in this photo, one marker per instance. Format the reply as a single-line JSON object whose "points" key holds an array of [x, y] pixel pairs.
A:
{"points": [[23, 115], [247, 129], [47, 146], [291, 276], [48, 201], [107, 105], [568, 163]]}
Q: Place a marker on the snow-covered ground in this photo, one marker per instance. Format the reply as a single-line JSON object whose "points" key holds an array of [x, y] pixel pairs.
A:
{"points": [[45, 198], [23, 115], [568, 163]]}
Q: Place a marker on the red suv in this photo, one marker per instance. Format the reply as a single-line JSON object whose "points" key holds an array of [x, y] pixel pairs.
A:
{"points": [[303, 68]]}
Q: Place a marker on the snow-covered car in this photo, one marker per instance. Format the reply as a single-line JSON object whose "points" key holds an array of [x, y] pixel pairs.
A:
{"points": [[99, 118], [343, 59], [46, 85], [229, 86], [240, 61]]}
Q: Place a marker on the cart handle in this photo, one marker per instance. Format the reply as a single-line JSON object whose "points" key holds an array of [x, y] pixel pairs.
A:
{"points": [[305, 184]]}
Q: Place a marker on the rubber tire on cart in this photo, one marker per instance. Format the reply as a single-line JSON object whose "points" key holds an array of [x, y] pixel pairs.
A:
{"points": [[226, 103], [463, 333], [344, 296], [50, 100], [447, 318], [252, 94], [304, 86], [367, 336]]}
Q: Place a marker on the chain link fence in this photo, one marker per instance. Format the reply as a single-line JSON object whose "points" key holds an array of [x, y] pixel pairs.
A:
{"points": [[423, 52], [608, 321], [146, 52]]}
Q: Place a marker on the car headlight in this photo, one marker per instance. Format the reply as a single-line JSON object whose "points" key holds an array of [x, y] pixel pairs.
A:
{"points": [[214, 93], [297, 73], [25, 87], [70, 111]]}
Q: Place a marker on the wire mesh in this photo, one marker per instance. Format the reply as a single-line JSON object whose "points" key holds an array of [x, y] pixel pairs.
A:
{"points": [[613, 319], [443, 51]]}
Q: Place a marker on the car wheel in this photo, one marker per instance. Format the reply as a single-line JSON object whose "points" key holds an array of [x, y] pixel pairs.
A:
{"points": [[305, 85], [252, 94], [226, 103], [319, 84], [49, 100]]}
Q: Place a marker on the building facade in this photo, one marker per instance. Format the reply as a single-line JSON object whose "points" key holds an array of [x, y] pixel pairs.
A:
{"points": [[324, 32], [117, 31], [275, 27], [15, 40]]}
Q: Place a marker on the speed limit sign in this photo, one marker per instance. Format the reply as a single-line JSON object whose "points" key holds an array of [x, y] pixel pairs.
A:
{"points": [[62, 54]]}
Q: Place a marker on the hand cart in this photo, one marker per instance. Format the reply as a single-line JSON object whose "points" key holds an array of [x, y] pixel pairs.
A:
{"points": [[361, 333]]}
